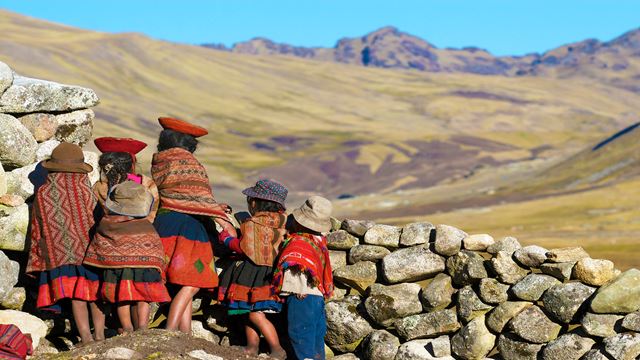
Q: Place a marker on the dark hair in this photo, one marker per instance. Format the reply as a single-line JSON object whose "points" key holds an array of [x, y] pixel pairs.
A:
{"points": [[266, 205], [170, 139], [116, 166], [293, 226]]}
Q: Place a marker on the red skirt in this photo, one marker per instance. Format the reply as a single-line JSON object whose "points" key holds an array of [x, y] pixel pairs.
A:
{"points": [[130, 284], [76, 282]]}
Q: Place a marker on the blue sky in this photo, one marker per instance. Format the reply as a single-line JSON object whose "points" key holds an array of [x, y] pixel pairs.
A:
{"points": [[504, 27]]}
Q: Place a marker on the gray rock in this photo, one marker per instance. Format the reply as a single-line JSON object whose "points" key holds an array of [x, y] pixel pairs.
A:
{"points": [[531, 256], [532, 286], [198, 331], [469, 304], [533, 325], [45, 149], [466, 267], [383, 235], [346, 328], [416, 233], [338, 293], [623, 346], [3, 181], [358, 276], [341, 240], [621, 296], [335, 224], [17, 145], [567, 347], [441, 346], [602, 325], [346, 357], [411, 264], [511, 348], [92, 158], [448, 240], [568, 254], [473, 341], [75, 127], [595, 354], [437, 295], [15, 298], [27, 95], [477, 242], [594, 272], [632, 322], [560, 271], [203, 355], [381, 345], [508, 271], [386, 304], [420, 350], [10, 271], [431, 324], [367, 253], [27, 323], [6, 77], [14, 222], [493, 292], [121, 353], [338, 259], [508, 244], [42, 126], [21, 180], [503, 313], [357, 227], [565, 300]]}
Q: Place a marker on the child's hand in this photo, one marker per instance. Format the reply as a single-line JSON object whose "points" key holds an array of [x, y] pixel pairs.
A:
{"points": [[227, 229], [224, 207], [301, 296]]}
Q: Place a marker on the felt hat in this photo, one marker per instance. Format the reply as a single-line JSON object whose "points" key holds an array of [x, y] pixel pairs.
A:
{"points": [[114, 144], [267, 190], [315, 214], [69, 158], [129, 198], [182, 126]]}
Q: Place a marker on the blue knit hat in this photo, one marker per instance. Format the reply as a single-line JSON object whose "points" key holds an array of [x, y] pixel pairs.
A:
{"points": [[267, 190]]}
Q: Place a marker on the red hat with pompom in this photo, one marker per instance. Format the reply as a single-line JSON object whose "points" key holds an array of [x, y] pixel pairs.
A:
{"points": [[182, 126], [114, 144]]}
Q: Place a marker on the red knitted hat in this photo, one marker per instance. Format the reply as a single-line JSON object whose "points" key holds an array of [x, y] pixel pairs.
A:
{"points": [[113, 144], [182, 126]]}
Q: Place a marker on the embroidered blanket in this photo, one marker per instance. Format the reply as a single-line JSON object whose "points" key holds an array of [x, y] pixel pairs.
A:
{"points": [[262, 235]]}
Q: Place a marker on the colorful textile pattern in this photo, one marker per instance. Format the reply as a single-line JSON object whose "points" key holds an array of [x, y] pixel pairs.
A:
{"points": [[187, 249], [61, 221], [67, 282], [183, 183], [128, 284], [13, 343], [123, 242], [261, 237], [309, 254], [100, 189], [245, 287]]}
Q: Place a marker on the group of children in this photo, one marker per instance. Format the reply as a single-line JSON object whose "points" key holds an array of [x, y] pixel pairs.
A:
{"points": [[130, 239]]}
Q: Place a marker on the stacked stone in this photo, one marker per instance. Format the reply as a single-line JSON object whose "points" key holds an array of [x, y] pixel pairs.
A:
{"points": [[434, 292], [35, 116]]}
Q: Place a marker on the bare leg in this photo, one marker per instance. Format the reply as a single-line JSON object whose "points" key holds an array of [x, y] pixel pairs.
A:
{"points": [[269, 332], [81, 318], [179, 317], [141, 315], [134, 315], [253, 338], [98, 317], [124, 315]]}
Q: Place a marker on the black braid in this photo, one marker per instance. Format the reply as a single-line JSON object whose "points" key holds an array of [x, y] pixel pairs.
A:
{"points": [[116, 166]]}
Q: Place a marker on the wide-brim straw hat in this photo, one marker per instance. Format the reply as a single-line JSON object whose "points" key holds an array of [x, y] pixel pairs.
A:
{"points": [[315, 214], [267, 190], [67, 157], [130, 199]]}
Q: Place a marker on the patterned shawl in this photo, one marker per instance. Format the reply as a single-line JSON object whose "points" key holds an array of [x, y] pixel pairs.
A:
{"points": [[122, 242], [61, 220], [183, 183], [308, 254], [100, 189], [262, 235]]}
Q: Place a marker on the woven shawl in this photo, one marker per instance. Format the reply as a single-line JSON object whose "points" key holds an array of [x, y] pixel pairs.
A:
{"points": [[308, 254], [183, 183], [262, 235], [122, 242], [62, 217]]}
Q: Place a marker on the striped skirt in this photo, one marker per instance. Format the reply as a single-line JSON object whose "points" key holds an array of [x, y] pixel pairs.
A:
{"points": [[245, 287], [130, 284], [76, 282]]}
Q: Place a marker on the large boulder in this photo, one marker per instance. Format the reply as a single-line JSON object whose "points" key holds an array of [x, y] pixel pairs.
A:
{"points": [[624, 346], [357, 227], [601, 325], [416, 234], [14, 222], [621, 296], [477, 242], [426, 325], [632, 322], [27, 95], [568, 254], [473, 341], [341, 240], [411, 264], [359, 276], [448, 240], [493, 292], [508, 244], [500, 316], [6, 77], [346, 328], [423, 349], [367, 253], [469, 304], [338, 259], [75, 127], [438, 294], [45, 149], [381, 345], [567, 347], [41, 125], [531, 256], [10, 271], [508, 271], [14, 300], [386, 304], [512, 348], [594, 272], [533, 286], [560, 271], [17, 145], [383, 235], [466, 267], [564, 301], [27, 323], [533, 325], [23, 181]]}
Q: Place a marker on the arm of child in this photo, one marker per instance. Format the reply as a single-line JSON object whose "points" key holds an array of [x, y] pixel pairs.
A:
{"points": [[230, 241]]}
